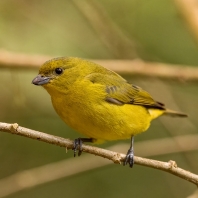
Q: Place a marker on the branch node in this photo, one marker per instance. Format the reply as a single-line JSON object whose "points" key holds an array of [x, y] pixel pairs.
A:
{"points": [[172, 164], [116, 158], [13, 127]]}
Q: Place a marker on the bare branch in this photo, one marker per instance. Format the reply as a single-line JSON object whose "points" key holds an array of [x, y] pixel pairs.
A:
{"points": [[20, 60], [40, 175], [137, 66], [194, 195], [49, 172], [189, 11], [108, 32], [170, 166]]}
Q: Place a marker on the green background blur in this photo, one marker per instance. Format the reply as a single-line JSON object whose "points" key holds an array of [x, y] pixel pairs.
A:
{"points": [[155, 31]]}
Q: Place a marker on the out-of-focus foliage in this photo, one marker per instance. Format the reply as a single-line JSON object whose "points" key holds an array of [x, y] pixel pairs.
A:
{"points": [[58, 28]]}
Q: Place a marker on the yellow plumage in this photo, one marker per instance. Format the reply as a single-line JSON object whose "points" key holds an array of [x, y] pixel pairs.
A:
{"points": [[98, 102]]}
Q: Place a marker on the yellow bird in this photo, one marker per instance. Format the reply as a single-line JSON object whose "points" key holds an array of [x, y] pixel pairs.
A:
{"points": [[98, 102]]}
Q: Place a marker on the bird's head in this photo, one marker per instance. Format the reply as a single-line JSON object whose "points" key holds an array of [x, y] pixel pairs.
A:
{"points": [[58, 73]]}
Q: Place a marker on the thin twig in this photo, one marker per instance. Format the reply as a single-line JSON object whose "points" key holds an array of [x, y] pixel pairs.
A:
{"points": [[137, 66], [108, 32], [21, 60], [40, 175], [189, 11], [48, 173], [194, 194], [170, 166]]}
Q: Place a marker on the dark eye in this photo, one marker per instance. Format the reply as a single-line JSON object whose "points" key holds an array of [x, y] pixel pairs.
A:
{"points": [[59, 71]]}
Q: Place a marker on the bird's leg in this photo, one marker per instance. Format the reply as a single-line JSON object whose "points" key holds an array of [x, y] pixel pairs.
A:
{"points": [[78, 145], [130, 155]]}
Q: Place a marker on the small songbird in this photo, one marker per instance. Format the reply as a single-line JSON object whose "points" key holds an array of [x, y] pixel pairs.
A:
{"points": [[98, 102]]}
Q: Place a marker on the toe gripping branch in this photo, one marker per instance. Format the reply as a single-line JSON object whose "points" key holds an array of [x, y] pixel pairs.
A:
{"points": [[130, 155], [78, 145]]}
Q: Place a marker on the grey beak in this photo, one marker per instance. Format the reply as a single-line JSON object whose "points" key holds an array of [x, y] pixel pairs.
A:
{"points": [[40, 80]]}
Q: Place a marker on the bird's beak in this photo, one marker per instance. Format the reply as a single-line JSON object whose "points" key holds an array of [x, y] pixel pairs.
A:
{"points": [[40, 80]]}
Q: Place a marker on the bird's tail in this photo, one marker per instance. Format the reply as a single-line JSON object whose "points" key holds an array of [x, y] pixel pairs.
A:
{"points": [[158, 112], [174, 113]]}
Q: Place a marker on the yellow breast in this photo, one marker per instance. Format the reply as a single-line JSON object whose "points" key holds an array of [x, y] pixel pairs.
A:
{"points": [[83, 107]]}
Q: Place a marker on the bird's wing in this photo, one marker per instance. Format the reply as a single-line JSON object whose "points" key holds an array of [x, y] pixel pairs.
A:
{"points": [[120, 92]]}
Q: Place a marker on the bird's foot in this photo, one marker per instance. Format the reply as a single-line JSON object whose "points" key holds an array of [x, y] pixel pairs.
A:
{"points": [[129, 158], [78, 145]]}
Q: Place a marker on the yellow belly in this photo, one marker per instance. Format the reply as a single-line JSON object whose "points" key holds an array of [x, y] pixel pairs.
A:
{"points": [[102, 120]]}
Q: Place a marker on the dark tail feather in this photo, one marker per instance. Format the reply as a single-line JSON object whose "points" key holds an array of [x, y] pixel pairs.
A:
{"points": [[174, 113]]}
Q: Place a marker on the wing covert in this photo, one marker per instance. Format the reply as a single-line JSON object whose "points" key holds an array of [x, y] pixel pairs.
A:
{"points": [[120, 92]]}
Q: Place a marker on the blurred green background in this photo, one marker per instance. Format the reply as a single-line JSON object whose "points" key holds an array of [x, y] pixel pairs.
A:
{"points": [[153, 30]]}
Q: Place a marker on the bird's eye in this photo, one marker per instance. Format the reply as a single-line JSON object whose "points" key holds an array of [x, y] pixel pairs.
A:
{"points": [[58, 71]]}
